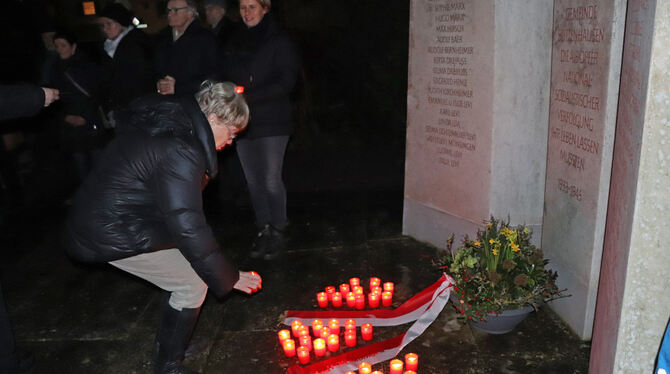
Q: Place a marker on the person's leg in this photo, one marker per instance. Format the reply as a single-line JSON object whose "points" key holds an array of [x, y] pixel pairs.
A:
{"points": [[169, 270], [252, 158], [275, 149]]}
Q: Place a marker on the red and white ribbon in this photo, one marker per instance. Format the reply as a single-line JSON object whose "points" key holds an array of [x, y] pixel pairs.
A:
{"points": [[387, 349]]}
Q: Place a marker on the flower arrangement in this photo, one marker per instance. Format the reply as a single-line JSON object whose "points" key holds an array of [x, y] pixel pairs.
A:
{"points": [[499, 270]]}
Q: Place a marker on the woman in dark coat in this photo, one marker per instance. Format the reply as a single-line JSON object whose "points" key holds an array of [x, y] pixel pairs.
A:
{"points": [[141, 211], [263, 59], [77, 78]]}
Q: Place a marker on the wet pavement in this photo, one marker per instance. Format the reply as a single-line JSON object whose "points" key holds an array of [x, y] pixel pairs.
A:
{"points": [[96, 319]]}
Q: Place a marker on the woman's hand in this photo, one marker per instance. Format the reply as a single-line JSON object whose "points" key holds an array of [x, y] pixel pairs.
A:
{"points": [[165, 86], [249, 282], [75, 120]]}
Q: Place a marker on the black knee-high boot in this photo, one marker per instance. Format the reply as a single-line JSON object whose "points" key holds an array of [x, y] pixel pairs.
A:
{"points": [[172, 339]]}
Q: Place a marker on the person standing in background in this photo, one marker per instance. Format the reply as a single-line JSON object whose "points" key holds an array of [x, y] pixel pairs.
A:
{"points": [[127, 62], [222, 26], [263, 59], [189, 55]]}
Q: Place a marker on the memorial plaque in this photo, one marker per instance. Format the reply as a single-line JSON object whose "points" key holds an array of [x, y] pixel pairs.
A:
{"points": [[584, 83], [450, 106]]}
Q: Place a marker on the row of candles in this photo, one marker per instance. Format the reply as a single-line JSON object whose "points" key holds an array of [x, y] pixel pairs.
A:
{"points": [[354, 296], [327, 336], [411, 365]]}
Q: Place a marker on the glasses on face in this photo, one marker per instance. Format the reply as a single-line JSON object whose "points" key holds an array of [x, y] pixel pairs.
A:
{"points": [[174, 10]]}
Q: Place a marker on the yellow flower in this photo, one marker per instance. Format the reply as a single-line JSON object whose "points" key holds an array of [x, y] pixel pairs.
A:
{"points": [[495, 252], [490, 225], [515, 247], [490, 241], [477, 244]]}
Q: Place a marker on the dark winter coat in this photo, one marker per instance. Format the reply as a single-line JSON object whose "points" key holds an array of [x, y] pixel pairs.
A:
{"points": [[75, 102], [130, 73], [20, 100], [189, 60], [144, 195], [264, 60]]}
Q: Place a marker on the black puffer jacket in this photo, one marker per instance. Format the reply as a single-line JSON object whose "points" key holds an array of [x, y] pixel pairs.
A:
{"points": [[145, 193], [264, 60]]}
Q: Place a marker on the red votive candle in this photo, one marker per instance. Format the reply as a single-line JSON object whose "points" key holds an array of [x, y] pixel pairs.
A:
{"points": [[350, 338], [303, 355], [396, 366], [325, 331], [306, 341], [344, 288], [377, 372], [322, 299], [319, 347], [351, 299], [377, 289], [388, 286], [373, 300], [349, 372], [283, 335], [375, 282], [409, 372], [364, 368], [337, 299], [334, 326], [387, 298], [366, 331], [350, 324], [360, 301], [303, 331], [295, 325], [317, 325], [411, 361], [330, 290], [354, 282], [357, 290], [289, 347], [333, 343]]}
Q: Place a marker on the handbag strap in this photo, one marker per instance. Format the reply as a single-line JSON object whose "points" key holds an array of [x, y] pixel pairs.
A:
{"points": [[80, 88]]}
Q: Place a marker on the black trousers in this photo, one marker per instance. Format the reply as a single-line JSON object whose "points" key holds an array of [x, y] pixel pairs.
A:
{"points": [[7, 354]]}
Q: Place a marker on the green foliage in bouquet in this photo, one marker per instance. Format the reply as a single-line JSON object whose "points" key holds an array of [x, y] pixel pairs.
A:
{"points": [[499, 270]]}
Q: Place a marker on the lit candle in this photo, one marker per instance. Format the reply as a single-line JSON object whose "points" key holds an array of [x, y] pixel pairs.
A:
{"points": [[303, 331], [306, 341], [333, 343], [377, 372], [344, 288], [357, 290], [325, 331], [360, 301], [295, 325], [377, 289], [388, 286], [409, 372], [354, 282], [373, 300], [337, 299], [283, 335], [350, 338], [366, 331], [387, 298], [322, 299], [396, 366], [289, 347], [364, 368], [330, 290], [349, 372], [303, 355], [317, 325], [350, 324], [375, 282], [351, 299], [411, 361], [319, 347], [334, 326]]}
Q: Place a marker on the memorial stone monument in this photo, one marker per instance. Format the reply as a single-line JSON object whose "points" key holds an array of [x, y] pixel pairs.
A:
{"points": [[478, 98], [586, 63]]}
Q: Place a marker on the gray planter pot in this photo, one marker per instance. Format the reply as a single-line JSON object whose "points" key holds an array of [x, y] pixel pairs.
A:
{"points": [[499, 323]]}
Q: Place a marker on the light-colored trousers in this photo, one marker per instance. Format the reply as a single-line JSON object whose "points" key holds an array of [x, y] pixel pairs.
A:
{"points": [[168, 269]]}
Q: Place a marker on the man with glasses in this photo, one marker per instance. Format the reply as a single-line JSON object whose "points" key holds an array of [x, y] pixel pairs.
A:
{"points": [[189, 55]]}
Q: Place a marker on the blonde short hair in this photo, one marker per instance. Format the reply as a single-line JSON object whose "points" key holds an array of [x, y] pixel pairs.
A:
{"points": [[221, 99], [265, 4]]}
